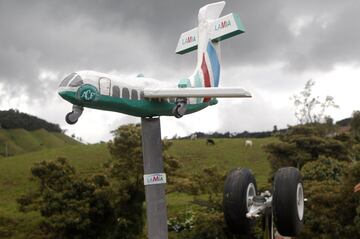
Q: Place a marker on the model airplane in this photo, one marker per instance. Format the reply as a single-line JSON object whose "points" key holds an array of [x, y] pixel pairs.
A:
{"points": [[146, 97]]}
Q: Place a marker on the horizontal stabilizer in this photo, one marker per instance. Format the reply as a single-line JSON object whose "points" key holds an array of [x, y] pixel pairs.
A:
{"points": [[196, 93], [220, 29]]}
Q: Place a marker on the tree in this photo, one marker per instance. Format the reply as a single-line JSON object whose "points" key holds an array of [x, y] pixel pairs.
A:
{"points": [[126, 171], [107, 205], [332, 208], [309, 108], [12, 119], [355, 125], [71, 207], [275, 129], [329, 176], [306, 143]]}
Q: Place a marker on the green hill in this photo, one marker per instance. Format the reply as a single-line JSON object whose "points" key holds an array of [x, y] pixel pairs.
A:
{"points": [[14, 119], [19, 141], [7, 144], [194, 155]]}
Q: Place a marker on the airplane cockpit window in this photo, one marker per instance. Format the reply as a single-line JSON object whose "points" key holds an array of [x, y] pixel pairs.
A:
{"points": [[67, 79], [77, 81]]}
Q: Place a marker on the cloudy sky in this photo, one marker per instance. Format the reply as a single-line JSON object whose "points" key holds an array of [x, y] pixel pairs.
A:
{"points": [[286, 43]]}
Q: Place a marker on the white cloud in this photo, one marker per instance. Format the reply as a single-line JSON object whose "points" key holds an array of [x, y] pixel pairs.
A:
{"points": [[299, 23]]}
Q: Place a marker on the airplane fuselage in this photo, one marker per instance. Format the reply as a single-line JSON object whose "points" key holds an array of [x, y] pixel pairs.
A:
{"points": [[105, 92]]}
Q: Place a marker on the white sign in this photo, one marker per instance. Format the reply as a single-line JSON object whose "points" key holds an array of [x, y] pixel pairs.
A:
{"points": [[155, 178]]}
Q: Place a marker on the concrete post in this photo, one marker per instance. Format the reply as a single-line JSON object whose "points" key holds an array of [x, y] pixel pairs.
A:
{"points": [[153, 163]]}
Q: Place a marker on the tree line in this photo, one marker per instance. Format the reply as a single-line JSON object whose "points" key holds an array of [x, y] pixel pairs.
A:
{"points": [[12, 119]]}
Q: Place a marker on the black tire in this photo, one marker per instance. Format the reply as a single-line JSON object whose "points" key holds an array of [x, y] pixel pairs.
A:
{"points": [[179, 110], [67, 119], [236, 187], [288, 201], [177, 113]]}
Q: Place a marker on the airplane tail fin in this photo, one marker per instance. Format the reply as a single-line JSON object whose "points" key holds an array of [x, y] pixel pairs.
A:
{"points": [[206, 39]]}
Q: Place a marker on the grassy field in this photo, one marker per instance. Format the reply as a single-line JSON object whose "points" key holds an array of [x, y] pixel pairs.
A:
{"points": [[194, 155], [19, 141], [226, 154], [15, 180]]}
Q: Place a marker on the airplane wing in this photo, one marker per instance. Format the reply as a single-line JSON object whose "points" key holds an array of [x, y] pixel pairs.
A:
{"points": [[196, 93]]}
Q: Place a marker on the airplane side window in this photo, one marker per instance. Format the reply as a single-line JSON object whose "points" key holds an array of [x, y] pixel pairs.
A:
{"points": [[77, 81], [142, 95], [134, 95], [125, 93], [116, 91], [67, 79]]}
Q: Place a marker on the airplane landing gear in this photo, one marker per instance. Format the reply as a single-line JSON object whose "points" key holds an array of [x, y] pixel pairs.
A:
{"points": [[73, 116], [239, 193], [285, 205], [180, 109], [288, 201]]}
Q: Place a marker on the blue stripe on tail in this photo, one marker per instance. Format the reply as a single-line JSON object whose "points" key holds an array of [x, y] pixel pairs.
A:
{"points": [[214, 61]]}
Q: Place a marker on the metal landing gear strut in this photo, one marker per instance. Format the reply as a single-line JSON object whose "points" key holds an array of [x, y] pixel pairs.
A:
{"points": [[73, 116]]}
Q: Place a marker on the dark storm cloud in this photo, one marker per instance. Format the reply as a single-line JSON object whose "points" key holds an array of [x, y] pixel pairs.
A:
{"points": [[140, 36]]}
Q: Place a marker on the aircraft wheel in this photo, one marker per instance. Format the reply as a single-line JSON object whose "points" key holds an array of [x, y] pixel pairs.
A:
{"points": [[288, 201], [239, 189], [179, 110], [70, 119]]}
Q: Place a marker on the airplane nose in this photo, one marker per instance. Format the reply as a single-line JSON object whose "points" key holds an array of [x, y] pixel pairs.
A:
{"points": [[66, 95], [61, 93]]}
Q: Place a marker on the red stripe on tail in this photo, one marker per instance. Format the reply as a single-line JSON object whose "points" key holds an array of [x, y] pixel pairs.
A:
{"points": [[206, 76]]}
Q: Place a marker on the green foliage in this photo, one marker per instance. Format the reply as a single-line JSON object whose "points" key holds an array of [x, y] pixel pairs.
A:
{"points": [[195, 156], [305, 143], [181, 222], [126, 171], [329, 177], [206, 221], [355, 125], [13, 119], [207, 225], [333, 208], [71, 207], [321, 211], [324, 169]]}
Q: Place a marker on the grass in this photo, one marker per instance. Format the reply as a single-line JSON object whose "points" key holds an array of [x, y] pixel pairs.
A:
{"points": [[226, 154], [47, 140], [15, 177], [15, 180], [24, 139], [19, 141], [7, 142]]}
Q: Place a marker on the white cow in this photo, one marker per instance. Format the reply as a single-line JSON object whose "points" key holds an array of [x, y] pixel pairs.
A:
{"points": [[249, 143], [193, 136]]}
